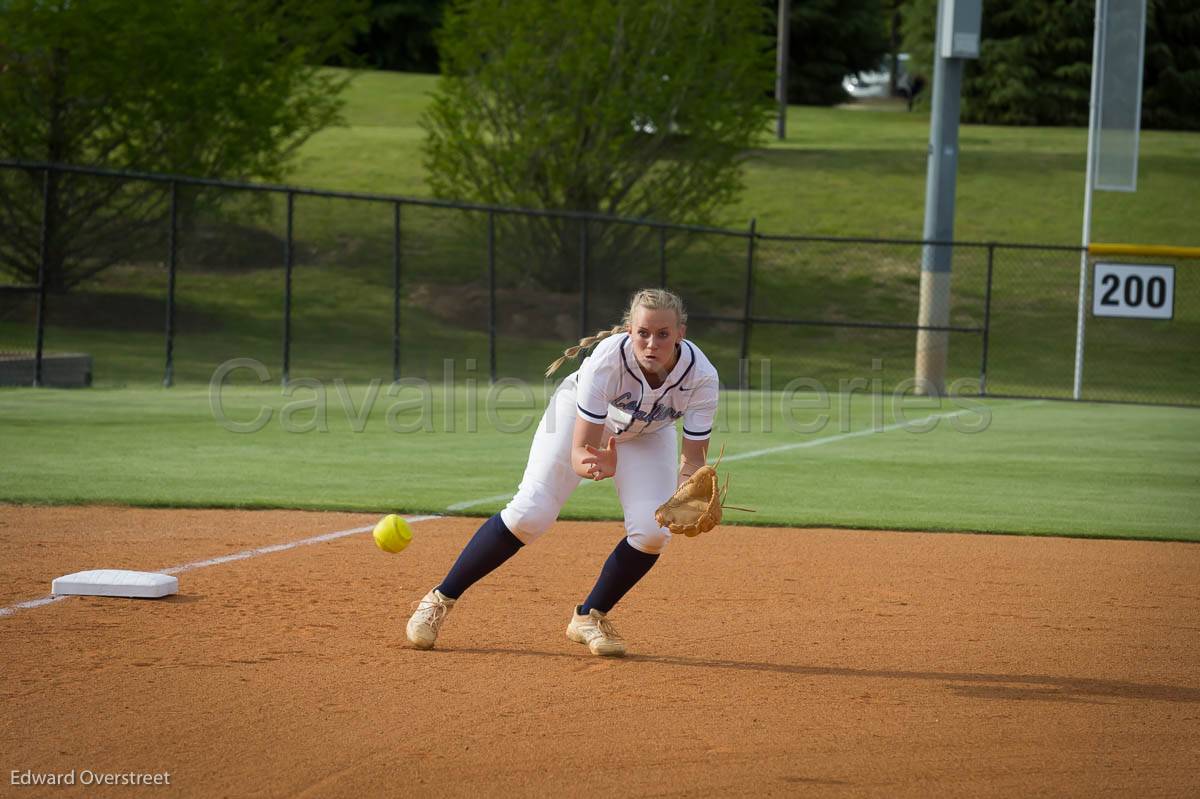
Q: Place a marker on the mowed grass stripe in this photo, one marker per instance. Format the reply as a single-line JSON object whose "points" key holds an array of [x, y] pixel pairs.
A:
{"points": [[1055, 468]]}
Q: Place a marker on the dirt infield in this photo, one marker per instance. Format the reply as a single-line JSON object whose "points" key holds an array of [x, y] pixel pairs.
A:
{"points": [[763, 662]]}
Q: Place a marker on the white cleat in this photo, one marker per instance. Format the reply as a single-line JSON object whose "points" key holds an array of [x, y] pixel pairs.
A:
{"points": [[597, 632], [427, 620]]}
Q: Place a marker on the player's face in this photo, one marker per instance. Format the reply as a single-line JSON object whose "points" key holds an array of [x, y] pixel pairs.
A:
{"points": [[655, 334]]}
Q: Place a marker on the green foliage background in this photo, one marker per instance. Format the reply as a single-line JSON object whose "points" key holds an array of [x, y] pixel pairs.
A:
{"points": [[829, 39], [1035, 62], [206, 88], [625, 108]]}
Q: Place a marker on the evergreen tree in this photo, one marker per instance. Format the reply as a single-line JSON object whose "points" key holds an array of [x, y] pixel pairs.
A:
{"points": [[1171, 90], [1035, 64], [400, 35]]}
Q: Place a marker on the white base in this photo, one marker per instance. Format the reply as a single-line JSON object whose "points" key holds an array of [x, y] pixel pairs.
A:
{"points": [[116, 582]]}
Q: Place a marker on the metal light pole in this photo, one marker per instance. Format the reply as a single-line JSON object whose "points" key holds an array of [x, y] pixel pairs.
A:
{"points": [[781, 67], [958, 26]]}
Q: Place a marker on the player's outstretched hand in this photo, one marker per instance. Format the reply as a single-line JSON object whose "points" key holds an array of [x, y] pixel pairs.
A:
{"points": [[601, 463]]}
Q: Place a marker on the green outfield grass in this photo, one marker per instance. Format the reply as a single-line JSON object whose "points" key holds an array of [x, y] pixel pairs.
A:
{"points": [[1037, 468]]}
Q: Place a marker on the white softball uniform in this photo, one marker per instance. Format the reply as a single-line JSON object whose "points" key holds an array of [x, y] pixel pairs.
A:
{"points": [[609, 388]]}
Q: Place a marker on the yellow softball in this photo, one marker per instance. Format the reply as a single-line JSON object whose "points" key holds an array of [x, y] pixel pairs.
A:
{"points": [[392, 534]]}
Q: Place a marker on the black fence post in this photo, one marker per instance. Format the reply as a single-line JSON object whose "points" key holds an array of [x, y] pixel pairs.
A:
{"points": [[744, 364], [987, 320], [169, 372], [662, 257], [491, 245], [395, 291], [583, 278], [287, 291], [41, 282]]}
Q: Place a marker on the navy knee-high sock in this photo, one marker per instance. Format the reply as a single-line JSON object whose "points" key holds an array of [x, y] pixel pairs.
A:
{"points": [[624, 567], [492, 544]]}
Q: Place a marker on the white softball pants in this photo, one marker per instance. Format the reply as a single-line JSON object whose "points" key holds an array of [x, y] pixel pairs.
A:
{"points": [[646, 477]]}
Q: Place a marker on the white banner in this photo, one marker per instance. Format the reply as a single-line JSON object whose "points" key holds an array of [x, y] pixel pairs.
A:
{"points": [[1120, 60]]}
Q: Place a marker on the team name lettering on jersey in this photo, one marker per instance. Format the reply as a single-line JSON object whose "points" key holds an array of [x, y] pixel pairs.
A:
{"points": [[626, 402], [611, 390]]}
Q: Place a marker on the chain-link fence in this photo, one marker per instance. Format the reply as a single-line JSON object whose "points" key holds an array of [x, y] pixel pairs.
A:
{"points": [[1142, 329], [160, 278], [1034, 333]]}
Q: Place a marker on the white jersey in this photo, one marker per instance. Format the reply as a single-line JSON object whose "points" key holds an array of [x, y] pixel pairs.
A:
{"points": [[611, 389]]}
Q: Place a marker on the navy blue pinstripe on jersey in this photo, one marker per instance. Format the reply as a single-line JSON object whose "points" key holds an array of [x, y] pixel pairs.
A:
{"points": [[586, 412]]}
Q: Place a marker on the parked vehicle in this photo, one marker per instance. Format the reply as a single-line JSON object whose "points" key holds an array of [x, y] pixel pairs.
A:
{"points": [[877, 82]]}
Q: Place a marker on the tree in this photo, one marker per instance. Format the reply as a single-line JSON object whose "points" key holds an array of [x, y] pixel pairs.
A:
{"points": [[1035, 62], [1034, 67], [895, 17], [830, 39], [209, 88], [1171, 91], [399, 36], [617, 107]]}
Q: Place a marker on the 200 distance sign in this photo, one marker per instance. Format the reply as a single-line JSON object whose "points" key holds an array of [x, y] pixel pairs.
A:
{"points": [[1133, 291]]}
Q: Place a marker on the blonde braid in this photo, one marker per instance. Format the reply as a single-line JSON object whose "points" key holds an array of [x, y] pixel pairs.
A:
{"points": [[573, 352]]}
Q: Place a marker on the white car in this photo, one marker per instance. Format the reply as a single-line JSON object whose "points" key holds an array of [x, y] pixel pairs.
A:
{"points": [[863, 85]]}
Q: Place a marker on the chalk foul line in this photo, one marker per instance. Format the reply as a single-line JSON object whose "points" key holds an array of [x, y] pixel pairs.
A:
{"points": [[243, 555], [470, 503], [867, 431], [816, 442]]}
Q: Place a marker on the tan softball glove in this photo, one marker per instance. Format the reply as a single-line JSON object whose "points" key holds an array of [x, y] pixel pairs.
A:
{"points": [[695, 507]]}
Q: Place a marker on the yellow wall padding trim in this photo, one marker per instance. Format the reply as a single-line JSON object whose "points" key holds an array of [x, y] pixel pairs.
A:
{"points": [[1148, 250]]}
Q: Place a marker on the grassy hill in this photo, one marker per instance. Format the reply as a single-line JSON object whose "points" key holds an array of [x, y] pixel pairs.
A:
{"points": [[843, 171], [850, 171]]}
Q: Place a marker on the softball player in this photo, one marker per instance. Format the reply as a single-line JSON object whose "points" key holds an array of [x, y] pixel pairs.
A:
{"points": [[614, 417]]}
